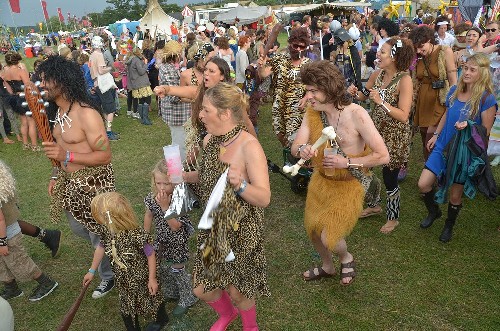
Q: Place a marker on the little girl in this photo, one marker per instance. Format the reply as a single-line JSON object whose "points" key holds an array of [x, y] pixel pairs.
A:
{"points": [[133, 261], [171, 242]]}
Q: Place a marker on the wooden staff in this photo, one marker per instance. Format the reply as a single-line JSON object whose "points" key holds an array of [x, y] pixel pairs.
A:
{"points": [[272, 38], [70, 315]]}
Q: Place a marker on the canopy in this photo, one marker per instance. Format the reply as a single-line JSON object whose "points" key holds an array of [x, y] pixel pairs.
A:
{"points": [[311, 7], [186, 11], [246, 15], [156, 20]]}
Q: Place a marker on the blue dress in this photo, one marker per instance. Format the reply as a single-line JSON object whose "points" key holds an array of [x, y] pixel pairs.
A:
{"points": [[436, 162]]}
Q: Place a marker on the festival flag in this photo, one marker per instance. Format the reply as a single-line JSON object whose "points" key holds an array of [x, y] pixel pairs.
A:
{"points": [[69, 17], [44, 7], [14, 6], [59, 13], [495, 11]]}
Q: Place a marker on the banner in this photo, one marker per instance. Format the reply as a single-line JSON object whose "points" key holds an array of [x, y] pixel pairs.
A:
{"points": [[470, 8], [495, 11], [44, 7], [14, 6], [59, 13]]}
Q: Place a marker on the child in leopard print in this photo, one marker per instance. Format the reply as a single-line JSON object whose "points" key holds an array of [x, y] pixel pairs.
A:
{"points": [[133, 260], [171, 243]]}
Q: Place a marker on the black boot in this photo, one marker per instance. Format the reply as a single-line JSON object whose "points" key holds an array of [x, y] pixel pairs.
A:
{"points": [[11, 290], [453, 211], [432, 208], [52, 239], [131, 324], [161, 320]]}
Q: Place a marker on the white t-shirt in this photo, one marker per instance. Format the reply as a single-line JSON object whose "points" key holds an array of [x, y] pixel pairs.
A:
{"points": [[449, 39]]}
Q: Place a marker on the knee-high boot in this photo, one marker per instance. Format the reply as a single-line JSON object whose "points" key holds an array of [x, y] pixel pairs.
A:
{"points": [[161, 320], [432, 208], [453, 211], [131, 324], [145, 115], [249, 319], [227, 312]]}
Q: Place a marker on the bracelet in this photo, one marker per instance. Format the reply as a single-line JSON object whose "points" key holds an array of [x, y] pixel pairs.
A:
{"points": [[53, 177], [68, 155], [353, 165], [300, 149], [436, 134], [92, 271], [242, 188], [385, 107], [71, 157], [3, 241]]}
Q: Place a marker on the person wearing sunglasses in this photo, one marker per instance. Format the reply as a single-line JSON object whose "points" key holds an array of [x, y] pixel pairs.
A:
{"points": [[492, 33], [287, 111]]}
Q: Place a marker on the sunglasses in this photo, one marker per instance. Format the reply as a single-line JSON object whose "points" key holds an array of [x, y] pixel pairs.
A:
{"points": [[490, 30], [299, 47]]}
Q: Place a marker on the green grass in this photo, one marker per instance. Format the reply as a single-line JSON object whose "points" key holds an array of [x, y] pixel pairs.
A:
{"points": [[407, 280]]}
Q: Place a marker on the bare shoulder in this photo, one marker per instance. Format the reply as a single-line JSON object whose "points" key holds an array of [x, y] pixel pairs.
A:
{"points": [[356, 111], [87, 114], [448, 51], [186, 73]]}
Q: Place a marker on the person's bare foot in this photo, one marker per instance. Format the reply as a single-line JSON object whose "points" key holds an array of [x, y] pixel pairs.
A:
{"points": [[318, 273], [18, 137], [7, 141], [389, 226], [369, 211]]}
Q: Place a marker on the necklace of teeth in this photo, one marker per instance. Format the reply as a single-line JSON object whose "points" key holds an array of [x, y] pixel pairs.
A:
{"points": [[62, 120]]}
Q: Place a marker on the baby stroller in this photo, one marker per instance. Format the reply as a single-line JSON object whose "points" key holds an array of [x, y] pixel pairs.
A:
{"points": [[299, 182]]}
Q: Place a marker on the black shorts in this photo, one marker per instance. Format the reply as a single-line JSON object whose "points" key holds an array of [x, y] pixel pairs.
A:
{"points": [[107, 100]]}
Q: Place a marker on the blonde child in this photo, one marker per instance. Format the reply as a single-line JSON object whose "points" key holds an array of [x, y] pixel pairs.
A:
{"points": [[171, 243], [133, 261], [15, 264]]}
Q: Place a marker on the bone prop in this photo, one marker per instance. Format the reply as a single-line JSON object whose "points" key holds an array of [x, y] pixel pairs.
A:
{"points": [[327, 133]]}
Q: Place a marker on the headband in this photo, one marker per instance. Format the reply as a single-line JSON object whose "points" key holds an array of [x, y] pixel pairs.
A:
{"points": [[442, 23], [395, 47]]}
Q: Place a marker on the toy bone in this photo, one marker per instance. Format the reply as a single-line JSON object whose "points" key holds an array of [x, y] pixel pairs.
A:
{"points": [[327, 133]]}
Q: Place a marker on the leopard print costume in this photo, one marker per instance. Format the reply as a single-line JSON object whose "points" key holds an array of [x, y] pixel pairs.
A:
{"points": [[74, 192], [132, 282], [237, 226], [288, 90]]}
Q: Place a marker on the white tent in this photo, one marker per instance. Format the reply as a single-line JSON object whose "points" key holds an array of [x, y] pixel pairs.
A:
{"points": [[246, 15], [156, 20]]}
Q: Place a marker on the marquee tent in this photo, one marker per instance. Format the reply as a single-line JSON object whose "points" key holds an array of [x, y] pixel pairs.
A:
{"points": [[246, 15], [155, 19]]}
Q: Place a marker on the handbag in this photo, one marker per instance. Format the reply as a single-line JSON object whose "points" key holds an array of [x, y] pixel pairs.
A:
{"points": [[183, 201], [105, 82]]}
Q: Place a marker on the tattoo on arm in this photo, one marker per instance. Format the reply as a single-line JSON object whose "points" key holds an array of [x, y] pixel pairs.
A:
{"points": [[100, 143]]}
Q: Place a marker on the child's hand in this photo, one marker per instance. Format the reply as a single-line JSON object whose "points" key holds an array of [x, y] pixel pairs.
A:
{"points": [[163, 199], [4, 250], [153, 286], [87, 278]]}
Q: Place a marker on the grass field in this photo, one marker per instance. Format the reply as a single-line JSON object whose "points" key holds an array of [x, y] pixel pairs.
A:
{"points": [[407, 280]]}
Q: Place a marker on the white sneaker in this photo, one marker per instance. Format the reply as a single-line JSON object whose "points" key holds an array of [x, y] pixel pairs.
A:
{"points": [[129, 113], [103, 288], [136, 115], [496, 161]]}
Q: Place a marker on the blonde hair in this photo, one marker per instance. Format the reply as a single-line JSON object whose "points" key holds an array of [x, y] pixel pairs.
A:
{"points": [[225, 97], [483, 84], [161, 168], [171, 51], [114, 211], [7, 184]]}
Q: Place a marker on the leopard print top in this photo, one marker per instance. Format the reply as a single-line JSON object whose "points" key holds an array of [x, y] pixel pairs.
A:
{"points": [[238, 226], [132, 282], [288, 90], [74, 192]]}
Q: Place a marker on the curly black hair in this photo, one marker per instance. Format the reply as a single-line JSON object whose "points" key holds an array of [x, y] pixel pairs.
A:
{"points": [[299, 35], [67, 76], [389, 26], [421, 35]]}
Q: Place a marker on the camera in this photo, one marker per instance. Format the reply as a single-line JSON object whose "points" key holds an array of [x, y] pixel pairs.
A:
{"points": [[438, 84]]}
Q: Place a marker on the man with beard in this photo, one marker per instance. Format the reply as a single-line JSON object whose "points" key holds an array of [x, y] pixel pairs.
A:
{"points": [[82, 147], [288, 90]]}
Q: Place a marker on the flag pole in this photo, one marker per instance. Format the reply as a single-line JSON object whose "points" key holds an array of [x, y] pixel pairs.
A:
{"points": [[45, 18]]}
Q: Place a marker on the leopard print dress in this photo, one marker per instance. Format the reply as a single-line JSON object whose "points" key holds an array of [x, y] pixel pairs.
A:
{"points": [[169, 245], [396, 134], [74, 192], [132, 282], [238, 226], [288, 90]]}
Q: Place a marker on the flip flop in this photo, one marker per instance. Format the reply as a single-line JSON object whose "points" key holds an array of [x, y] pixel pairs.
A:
{"points": [[321, 274], [371, 213]]}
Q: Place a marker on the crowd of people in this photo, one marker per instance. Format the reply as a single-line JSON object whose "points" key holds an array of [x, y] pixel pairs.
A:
{"points": [[373, 92]]}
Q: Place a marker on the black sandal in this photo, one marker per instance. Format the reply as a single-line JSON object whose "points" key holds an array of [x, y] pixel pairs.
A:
{"points": [[351, 274]]}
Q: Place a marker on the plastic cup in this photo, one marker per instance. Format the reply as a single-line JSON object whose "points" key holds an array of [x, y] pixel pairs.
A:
{"points": [[330, 172], [174, 165]]}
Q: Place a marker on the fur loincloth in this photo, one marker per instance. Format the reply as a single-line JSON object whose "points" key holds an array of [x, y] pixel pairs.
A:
{"points": [[7, 184]]}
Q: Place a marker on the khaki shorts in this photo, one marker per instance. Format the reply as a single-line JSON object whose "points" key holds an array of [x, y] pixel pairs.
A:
{"points": [[17, 265]]}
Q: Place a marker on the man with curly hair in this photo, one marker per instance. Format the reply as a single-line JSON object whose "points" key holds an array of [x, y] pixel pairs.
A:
{"points": [[82, 148], [288, 90]]}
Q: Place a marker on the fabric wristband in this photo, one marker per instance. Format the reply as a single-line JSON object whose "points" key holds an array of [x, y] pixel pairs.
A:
{"points": [[92, 271]]}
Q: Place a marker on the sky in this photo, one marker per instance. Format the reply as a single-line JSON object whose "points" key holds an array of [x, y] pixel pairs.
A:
{"points": [[31, 10]]}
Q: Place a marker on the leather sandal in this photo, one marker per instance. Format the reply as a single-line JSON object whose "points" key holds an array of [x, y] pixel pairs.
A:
{"points": [[351, 274], [321, 274]]}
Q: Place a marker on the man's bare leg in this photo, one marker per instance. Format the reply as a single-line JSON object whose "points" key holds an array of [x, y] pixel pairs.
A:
{"points": [[324, 253], [344, 257]]}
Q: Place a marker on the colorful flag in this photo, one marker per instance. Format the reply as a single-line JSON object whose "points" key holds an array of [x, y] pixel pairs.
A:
{"points": [[59, 13], [14, 5], [495, 11], [44, 7]]}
